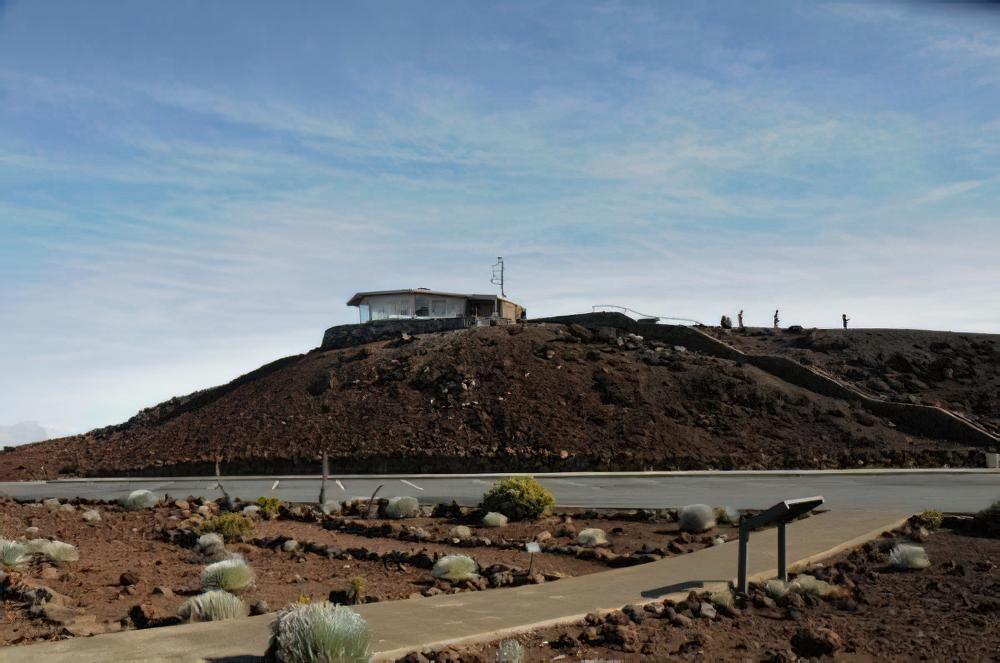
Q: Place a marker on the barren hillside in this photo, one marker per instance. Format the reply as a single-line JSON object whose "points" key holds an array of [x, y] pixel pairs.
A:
{"points": [[960, 372], [531, 397]]}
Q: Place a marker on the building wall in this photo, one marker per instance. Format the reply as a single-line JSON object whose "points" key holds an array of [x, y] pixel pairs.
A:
{"points": [[407, 306]]}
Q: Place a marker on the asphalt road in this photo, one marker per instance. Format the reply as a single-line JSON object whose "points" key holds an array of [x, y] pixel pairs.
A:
{"points": [[945, 490]]}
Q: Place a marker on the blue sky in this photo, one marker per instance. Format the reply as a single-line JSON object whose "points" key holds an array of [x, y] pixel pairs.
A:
{"points": [[191, 189]]}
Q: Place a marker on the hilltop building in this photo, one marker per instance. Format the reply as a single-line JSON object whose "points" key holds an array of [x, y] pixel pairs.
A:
{"points": [[425, 304]]}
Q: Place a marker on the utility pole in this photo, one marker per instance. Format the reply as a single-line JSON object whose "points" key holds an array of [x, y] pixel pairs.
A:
{"points": [[498, 275]]}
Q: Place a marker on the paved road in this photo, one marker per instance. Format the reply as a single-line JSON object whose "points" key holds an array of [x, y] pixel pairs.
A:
{"points": [[914, 491]]}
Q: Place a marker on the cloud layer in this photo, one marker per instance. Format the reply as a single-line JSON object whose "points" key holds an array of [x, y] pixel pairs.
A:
{"points": [[191, 192]]}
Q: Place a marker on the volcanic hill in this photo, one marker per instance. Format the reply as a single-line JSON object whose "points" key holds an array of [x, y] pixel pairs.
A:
{"points": [[545, 397]]}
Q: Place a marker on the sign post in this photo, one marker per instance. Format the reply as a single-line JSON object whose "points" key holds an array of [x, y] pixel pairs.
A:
{"points": [[780, 514]]}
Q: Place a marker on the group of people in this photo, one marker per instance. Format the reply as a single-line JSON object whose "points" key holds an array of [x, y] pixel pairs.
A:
{"points": [[728, 324]]}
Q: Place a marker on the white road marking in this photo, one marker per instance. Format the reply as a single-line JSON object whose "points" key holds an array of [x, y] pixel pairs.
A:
{"points": [[274, 485], [574, 483], [341, 486], [410, 483]]}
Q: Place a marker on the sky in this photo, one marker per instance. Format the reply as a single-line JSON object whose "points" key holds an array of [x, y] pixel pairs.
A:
{"points": [[191, 189]]}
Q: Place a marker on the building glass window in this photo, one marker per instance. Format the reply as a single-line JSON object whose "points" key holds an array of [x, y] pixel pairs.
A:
{"points": [[423, 307]]}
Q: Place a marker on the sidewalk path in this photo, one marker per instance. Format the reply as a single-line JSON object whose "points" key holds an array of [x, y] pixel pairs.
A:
{"points": [[402, 626]]}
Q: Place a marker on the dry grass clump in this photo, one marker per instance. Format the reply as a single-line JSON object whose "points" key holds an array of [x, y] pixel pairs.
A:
{"points": [[212, 606], [319, 633], [13, 555], [696, 518], [398, 508], [906, 557], [456, 568], [231, 575]]}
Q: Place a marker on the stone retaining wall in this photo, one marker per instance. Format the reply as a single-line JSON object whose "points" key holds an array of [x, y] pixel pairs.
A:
{"points": [[344, 336]]}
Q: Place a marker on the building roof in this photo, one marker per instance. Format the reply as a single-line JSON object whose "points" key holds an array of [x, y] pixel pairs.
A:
{"points": [[356, 299]]}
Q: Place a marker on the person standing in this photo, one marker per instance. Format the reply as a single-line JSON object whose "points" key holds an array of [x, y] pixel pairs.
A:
{"points": [[845, 319], [739, 320], [777, 321]]}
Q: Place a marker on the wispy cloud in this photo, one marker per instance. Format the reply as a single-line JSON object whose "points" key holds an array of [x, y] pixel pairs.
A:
{"points": [[166, 226]]}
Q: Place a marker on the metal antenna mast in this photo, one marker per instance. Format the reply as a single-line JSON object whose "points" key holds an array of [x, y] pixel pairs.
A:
{"points": [[498, 275]]}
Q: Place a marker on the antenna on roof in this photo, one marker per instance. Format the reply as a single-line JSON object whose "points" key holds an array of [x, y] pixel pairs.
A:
{"points": [[498, 275]]}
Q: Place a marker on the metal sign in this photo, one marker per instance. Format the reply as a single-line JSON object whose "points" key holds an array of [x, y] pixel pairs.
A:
{"points": [[533, 547], [781, 514]]}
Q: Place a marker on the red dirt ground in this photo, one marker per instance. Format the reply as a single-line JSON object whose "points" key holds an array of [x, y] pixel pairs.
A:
{"points": [[948, 612], [132, 542]]}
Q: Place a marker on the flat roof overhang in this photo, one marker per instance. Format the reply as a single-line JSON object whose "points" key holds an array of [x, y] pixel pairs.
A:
{"points": [[359, 296]]}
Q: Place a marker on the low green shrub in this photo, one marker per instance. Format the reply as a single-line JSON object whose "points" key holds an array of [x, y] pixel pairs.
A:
{"points": [[212, 606], [932, 518], [518, 498], [319, 633], [358, 590], [231, 575], [269, 506], [232, 527]]}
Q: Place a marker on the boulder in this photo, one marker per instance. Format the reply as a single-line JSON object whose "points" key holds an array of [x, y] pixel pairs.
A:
{"points": [[815, 642]]}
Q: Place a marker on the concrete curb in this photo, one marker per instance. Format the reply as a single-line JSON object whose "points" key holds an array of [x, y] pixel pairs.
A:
{"points": [[544, 475]]}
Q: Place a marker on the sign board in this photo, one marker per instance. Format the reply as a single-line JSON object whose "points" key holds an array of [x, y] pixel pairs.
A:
{"points": [[533, 547]]}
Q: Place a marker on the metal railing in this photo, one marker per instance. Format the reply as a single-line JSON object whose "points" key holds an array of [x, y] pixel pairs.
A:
{"points": [[625, 309]]}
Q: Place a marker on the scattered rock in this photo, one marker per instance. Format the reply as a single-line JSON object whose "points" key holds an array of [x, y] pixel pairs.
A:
{"points": [[814, 642], [143, 615], [91, 516], [128, 579], [259, 607], [291, 545], [164, 591]]}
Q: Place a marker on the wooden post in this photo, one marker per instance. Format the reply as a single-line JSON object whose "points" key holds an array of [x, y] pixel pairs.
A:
{"points": [[322, 485], [371, 502], [218, 482]]}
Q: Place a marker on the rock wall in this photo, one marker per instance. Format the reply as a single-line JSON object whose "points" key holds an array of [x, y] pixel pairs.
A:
{"points": [[343, 336]]}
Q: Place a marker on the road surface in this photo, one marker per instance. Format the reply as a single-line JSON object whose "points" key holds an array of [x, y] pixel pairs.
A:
{"points": [[947, 490]]}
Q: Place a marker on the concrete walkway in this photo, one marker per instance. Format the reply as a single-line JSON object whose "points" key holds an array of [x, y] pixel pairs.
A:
{"points": [[402, 626]]}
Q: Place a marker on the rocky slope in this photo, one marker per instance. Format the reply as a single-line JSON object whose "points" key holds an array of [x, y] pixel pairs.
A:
{"points": [[960, 372], [528, 398]]}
